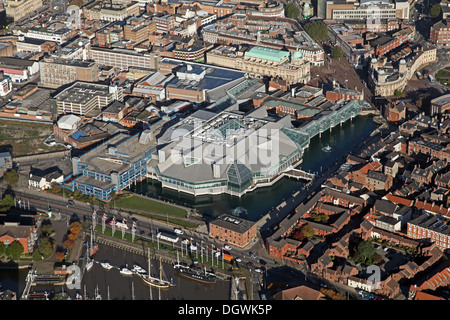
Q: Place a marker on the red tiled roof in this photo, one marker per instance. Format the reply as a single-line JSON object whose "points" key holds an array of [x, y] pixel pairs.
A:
{"points": [[426, 296], [370, 166], [400, 200]]}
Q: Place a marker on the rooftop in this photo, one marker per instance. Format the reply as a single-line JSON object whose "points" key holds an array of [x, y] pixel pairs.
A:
{"points": [[267, 54]]}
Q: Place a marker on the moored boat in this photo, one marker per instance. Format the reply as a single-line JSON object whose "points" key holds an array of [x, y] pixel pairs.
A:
{"points": [[106, 265], [155, 281], [126, 271], [197, 274]]}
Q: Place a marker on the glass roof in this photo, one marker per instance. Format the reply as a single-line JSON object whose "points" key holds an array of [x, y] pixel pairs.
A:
{"points": [[239, 174]]}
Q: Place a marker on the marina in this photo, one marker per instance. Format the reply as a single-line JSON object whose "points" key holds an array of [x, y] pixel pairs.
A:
{"points": [[106, 280]]}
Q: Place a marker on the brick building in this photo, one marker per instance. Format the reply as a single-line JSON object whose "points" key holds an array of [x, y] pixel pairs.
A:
{"points": [[233, 230], [26, 235], [440, 33], [429, 228]]}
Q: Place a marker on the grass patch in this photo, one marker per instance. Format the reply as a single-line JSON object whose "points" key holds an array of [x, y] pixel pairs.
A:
{"points": [[132, 202], [26, 138], [443, 74]]}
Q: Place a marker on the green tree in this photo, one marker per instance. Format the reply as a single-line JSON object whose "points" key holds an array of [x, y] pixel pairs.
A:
{"points": [[7, 202], [14, 250], [2, 248], [45, 247], [317, 30], [291, 10], [366, 251], [336, 52], [435, 10], [398, 93], [47, 230], [11, 177]]}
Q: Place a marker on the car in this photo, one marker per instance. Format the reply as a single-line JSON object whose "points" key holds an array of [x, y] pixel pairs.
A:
{"points": [[238, 260], [262, 262], [252, 255], [71, 202], [227, 247], [257, 270], [185, 241], [178, 231]]}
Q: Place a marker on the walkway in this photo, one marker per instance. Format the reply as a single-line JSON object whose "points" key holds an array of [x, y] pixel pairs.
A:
{"points": [[300, 174]]}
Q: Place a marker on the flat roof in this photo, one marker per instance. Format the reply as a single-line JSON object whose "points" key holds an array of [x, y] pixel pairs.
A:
{"points": [[267, 54], [116, 154]]}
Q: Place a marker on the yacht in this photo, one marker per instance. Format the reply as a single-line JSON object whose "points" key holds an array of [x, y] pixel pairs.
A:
{"points": [[126, 271], [89, 264], [138, 269], [106, 265]]}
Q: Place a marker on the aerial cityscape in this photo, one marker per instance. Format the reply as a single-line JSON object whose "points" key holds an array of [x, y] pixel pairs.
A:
{"points": [[257, 150]]}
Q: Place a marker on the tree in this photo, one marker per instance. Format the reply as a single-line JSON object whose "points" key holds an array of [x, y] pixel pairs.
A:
{"points": [[292, 11], [14, 250], [298, 235], [307, 230], [2, 248], [11, 177], [60, 255], [398, 93], [47, 230], [336, 52], [7, 202], [366, 250], [68, 244], [317, 30], [45, 247], [435, 10]]}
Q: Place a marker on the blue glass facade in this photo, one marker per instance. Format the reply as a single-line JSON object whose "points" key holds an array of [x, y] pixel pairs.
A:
{"points": [[100, 183]]}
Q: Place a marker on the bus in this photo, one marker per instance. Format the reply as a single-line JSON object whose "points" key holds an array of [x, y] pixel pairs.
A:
{"points": [[419, 75], [431, 78]]}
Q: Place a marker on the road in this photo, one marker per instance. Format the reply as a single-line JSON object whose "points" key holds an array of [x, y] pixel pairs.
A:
{"points": [[145, 227]]}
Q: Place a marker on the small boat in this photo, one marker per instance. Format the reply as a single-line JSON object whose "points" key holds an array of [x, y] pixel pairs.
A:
{"points": [[106, 265], [138, 269], [126, 271], [327, 148], [89, 264]]}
